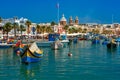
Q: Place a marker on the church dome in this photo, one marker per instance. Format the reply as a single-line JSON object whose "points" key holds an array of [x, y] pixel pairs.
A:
{"points": [[63, 18]]}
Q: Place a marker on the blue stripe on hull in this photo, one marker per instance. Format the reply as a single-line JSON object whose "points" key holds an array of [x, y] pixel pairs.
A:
{"points": [[4, 46], [29, 59], [95, 41]]}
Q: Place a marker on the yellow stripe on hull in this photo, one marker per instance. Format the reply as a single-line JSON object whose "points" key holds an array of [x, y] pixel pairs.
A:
{"points": [[28, 54]]}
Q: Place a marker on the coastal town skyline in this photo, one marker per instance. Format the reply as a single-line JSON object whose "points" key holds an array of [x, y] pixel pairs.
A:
{"points": [[88, 11]]}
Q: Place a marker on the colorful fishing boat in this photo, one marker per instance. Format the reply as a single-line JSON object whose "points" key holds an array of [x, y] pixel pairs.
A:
{"points": [[31, 54], [19, 46]]}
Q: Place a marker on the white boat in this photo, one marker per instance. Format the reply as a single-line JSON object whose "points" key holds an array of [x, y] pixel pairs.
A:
{"points": [[57, 45], [5, 45], [52, 39]]}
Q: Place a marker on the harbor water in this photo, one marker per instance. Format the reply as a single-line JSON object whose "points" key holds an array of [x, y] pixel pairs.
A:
{"points": [[88, 62]]}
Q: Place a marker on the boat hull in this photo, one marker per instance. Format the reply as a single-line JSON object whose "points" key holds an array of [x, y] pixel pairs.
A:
{"points": [[6, 45], [95, 41], [28, 56], [57, 45], [111, 45]]}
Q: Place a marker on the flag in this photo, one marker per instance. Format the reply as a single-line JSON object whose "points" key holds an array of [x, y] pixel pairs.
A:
{"points": [[57, 5]]}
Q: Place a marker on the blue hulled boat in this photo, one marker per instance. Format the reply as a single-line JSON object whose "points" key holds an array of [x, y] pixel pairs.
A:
{"points": [[105, 42], [31, 54], [95, 41]]}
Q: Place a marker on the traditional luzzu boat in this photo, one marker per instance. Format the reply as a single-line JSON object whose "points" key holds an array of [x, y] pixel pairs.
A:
{"points": [[18, 47], [31, 54]]}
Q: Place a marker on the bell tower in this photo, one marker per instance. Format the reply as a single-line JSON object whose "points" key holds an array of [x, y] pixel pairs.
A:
{"points": [[76, 21], [70, 21]]}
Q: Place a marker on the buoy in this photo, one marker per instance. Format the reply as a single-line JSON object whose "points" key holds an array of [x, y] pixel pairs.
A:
{"points": [[18, 53], [69, 54]]}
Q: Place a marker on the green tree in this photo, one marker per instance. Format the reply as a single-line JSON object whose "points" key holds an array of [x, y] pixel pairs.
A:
{"points": [[21, 28], [53, 23], [71, 30], [43, 29], [15, 27], [49, 29], [80, 30], [66, 28], [28, 23], [84, 30], [38, 29], [7, 27]]}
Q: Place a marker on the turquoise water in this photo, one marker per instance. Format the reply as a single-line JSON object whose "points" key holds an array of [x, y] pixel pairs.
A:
{"points": [[88, 62]]}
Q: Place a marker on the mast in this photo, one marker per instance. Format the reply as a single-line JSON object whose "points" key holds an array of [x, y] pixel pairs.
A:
{"points": [[112, 20]]}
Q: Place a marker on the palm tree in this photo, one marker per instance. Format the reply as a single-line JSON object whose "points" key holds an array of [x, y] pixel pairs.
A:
{"points": [[66, 28], [22, 28], [80, 29], [28, 23], [53, 23], [43, 30], [15, 26], [49, 29], [84, 30], [71, 30], [38, 29], [7, 27]]}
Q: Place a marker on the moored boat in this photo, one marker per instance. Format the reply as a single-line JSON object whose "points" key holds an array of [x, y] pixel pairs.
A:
{"points": [[57, 45], [5, 45], [105, 42], [112, 45], [95, 40], [31, 54]]}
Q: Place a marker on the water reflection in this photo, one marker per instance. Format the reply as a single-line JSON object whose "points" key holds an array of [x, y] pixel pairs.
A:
{"points": [[6, 54], [111, 52], [29, 72]]}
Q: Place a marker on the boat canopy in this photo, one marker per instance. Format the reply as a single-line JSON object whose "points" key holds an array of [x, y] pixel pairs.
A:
{"points": [[53, 37]]}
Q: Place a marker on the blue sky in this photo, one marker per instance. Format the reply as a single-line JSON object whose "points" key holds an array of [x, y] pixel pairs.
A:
{"points": [[88, 11]]}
